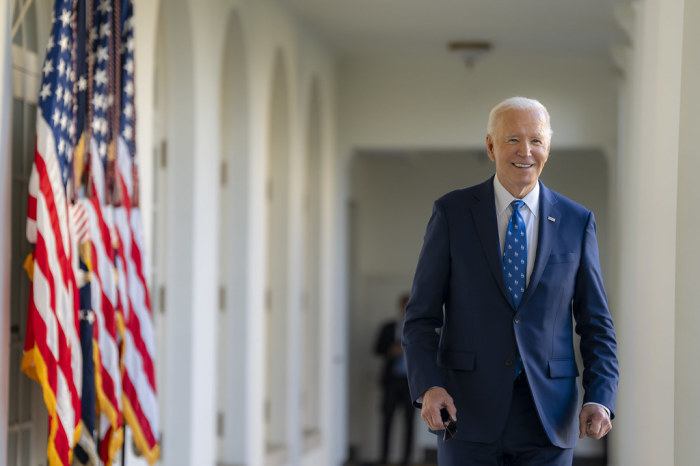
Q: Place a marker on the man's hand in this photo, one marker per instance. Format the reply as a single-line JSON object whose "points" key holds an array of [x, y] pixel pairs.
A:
{"points": [[593, 422], [434, 400]]}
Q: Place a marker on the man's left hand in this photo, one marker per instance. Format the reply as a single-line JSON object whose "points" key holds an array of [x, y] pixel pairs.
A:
{"points": [[593, 422]]}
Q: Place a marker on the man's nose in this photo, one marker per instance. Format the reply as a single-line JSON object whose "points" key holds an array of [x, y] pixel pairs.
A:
{"points": [[524, 148]]}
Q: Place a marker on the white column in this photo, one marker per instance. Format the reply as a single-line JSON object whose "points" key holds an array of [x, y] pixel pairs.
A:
{"points": [[648, 171], [5, 217], [687, 377]]}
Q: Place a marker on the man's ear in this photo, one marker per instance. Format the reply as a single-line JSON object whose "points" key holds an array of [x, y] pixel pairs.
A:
{"points": [[489, 147]]}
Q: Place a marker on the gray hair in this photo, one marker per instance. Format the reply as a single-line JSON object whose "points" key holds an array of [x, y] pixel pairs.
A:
{"points": [[522, 103]]}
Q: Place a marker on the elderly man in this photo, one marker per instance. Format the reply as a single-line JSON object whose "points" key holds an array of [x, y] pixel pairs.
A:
{"points": [[505, 267]]}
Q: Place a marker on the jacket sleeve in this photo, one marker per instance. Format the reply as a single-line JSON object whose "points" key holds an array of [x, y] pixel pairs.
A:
{"points": [[424, 312], [595, 326]]}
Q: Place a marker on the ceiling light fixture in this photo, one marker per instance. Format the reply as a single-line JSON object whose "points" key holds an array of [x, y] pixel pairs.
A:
{"points": [[469, 50]]}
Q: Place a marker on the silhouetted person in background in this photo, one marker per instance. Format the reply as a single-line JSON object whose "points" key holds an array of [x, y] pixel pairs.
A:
{"points": [[394, 382]]}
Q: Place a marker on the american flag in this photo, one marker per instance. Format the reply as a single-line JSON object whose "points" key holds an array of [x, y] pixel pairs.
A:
{"points": [[138, 350], [104, 292], [52, 347]]}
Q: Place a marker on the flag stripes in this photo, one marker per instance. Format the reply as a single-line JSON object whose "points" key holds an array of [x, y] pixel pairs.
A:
{"points": [[87, 232]]}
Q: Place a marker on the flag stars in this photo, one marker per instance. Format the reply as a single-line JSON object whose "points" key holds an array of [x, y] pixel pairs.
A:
{"points": [[48, 67], [45, 91], [102, 54], [129, 66], [99, 101], [104, 7], [128, 133], [95, 125], [63, 43], [65, 18], [61, 67], [129, 89], [101, 77], [105, 31], [129, 111]]}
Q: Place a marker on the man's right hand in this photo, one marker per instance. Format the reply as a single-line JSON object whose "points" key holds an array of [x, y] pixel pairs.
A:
{"points": [[434, 399]]}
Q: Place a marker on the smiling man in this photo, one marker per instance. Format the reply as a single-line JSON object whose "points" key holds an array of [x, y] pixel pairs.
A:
{"points": [[506, 268]]}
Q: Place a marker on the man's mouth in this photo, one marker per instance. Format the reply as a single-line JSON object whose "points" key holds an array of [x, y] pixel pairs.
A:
{"points": [[522, 165]]}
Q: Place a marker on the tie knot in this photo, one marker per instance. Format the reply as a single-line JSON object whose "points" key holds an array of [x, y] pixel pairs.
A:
{"points": [[517, 204]]}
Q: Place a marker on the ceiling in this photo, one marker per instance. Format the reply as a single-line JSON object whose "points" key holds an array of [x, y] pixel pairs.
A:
{"points": [[514, 27]]}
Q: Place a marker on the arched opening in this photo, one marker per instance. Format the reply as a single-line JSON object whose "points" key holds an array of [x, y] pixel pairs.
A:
{"points": [[233, 244], [277, 294]]}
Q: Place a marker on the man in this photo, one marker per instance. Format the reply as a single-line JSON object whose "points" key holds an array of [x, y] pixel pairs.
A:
{"points": [[488, 332], [394, 382]]}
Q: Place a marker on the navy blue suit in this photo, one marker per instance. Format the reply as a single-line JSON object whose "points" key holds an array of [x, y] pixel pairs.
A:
{"points": [[461, 329]]}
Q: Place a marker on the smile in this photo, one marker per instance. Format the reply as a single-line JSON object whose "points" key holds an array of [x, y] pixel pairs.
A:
{"points": [[522, 165]]}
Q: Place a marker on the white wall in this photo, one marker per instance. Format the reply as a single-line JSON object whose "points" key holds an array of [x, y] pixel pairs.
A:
{"points": [[687, 346], [438, 103], [5, 215], [194, 36], [648, 180]]}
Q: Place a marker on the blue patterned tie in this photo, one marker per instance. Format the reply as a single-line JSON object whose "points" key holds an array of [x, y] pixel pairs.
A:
{"points": [[515, 262]]}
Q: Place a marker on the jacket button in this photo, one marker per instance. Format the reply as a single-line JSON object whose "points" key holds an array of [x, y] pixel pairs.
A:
{"points": [[517, 320], [509, 362]]}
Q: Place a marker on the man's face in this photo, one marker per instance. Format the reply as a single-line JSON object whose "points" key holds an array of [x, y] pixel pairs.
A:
{"points": [[520, 148]]}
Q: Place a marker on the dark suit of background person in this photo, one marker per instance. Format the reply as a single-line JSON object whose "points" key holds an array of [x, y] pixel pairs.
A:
{"points": [[395, 393], [462, 332]]}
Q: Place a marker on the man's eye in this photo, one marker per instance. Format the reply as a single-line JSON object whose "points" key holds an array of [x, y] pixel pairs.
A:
{"points": [[513, 140], [537, 141]]}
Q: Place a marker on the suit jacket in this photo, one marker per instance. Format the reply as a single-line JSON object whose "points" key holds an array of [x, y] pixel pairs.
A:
{"points": [[461, 329]]}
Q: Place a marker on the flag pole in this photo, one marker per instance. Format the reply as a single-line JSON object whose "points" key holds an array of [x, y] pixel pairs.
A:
{"points": [[124, 447]]}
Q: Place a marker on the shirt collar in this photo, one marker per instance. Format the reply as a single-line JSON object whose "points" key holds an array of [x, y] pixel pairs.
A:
{"points": [[504, 198]]}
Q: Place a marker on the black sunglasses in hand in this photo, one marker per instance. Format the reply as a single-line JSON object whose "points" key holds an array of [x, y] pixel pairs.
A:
{"points": [[450, 427]]}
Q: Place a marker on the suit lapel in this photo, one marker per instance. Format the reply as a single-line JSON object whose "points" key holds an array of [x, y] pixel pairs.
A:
{"points": [[484, 214], [549, 220]]}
